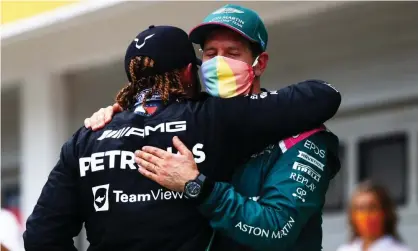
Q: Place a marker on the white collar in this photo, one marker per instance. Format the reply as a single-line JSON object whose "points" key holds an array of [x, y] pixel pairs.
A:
{"points": [[380, 244]]}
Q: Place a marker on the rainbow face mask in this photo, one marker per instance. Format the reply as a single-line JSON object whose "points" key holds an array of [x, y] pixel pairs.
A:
{"points": [[225, 77], [369, 224]]}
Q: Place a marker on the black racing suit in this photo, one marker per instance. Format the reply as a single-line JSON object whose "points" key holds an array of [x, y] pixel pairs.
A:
{"points": [[96, 181]]}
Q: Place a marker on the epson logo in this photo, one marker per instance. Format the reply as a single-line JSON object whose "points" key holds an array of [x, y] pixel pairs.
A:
{"points": [[175, 126]]}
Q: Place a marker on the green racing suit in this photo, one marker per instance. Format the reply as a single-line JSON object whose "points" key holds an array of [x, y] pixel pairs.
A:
{"points": [[275, 201]]}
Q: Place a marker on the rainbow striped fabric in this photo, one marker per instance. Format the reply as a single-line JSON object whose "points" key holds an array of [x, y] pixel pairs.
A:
{"points": [[225, 77]]}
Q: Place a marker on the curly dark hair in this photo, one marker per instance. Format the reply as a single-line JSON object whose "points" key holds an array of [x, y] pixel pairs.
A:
{"points": [[387, 205], [165, 84]]}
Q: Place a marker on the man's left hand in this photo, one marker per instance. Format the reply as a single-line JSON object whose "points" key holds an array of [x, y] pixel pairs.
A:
{"points": [[171, 171]]}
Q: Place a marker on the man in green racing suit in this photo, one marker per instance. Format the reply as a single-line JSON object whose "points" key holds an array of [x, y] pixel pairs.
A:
{"points": [[275, 200]]}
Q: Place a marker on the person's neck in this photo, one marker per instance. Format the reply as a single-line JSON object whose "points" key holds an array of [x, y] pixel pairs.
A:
{"points": [[368, 242], [256, 87]]}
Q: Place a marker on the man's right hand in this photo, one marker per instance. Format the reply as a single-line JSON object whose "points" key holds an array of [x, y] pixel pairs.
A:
{"points": [[102, 117]]}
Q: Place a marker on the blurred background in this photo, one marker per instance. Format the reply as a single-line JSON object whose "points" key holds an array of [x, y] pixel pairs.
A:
{"points": [[62, 61]]}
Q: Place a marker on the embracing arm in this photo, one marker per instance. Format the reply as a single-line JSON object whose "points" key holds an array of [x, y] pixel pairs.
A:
{"points": [[278, 114], [102, 117], [273, 115]]}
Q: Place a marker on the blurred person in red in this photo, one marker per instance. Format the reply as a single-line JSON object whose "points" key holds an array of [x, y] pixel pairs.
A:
{"points": [[373, 221], [10, 231]]}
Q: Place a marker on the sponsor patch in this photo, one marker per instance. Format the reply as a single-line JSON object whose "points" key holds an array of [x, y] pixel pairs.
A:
{"points": [[307, 169], [300, 193], [311, 160], [286, 144], [227, 11], [101, 197], [302, 180], [311, 146], [266, 233]]}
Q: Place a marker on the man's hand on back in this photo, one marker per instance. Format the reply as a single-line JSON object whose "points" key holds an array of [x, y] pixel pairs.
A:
{"points": [[102, 117], [171, 171]]}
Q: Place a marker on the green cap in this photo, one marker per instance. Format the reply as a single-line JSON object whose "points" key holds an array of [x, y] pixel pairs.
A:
{"points": [[237, 18]]}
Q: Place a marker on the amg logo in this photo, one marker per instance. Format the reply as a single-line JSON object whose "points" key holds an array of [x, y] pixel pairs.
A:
{"points": [[175, 126], [307, 169]]}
